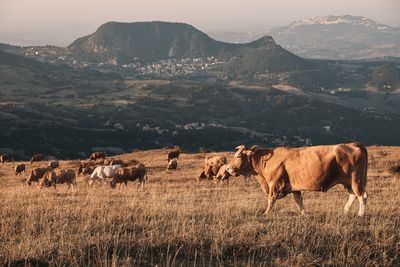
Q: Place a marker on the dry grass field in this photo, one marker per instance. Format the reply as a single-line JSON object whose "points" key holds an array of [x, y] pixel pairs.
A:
{"points": [[177, 221]]}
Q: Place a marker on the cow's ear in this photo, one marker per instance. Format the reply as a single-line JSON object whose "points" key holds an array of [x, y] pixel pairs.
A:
{"points": [[239, 151]]}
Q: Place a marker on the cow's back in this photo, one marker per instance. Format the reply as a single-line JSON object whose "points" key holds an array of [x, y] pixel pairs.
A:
{"points": [[316, 167]]}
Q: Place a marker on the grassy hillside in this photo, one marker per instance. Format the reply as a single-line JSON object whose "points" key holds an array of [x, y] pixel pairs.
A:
{"points": [[179, 221]]}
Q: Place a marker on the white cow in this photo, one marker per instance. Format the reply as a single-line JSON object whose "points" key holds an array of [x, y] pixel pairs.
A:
{"points": [[103, 172]]}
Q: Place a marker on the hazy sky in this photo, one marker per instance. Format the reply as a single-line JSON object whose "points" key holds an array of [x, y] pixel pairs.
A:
{"points": [[60, 21]]}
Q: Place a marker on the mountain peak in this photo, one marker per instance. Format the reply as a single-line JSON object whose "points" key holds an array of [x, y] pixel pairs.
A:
{"points": [[339, 37], [345, 19], [264, 41]]}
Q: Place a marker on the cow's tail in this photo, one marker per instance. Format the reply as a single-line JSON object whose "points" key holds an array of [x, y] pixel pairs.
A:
{"points": [[146, 175], [364, 159]]}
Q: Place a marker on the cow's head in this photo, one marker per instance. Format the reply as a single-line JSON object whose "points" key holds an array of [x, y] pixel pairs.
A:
{"points": [[241, 162], [31, 177]]}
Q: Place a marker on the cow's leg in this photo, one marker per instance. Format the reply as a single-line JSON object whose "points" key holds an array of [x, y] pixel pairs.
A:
{"points": [[271, 198], [358, 190], [352, 198], [299, 200], [141, 184], [362, 200], [271, 202], [263, 184]]}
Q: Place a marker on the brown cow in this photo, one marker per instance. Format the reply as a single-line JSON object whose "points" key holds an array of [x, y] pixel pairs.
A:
{"points": [[81, 167], [223, 174], [3, 158], [19, 169], [36, 174], [87, 167], [211, 167], [285, 170], [37, 157], [123, 175], [173, 154], [98, 155], [172, 164], [51, 178], [54, 164]]}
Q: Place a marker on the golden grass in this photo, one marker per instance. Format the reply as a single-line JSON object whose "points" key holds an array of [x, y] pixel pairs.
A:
{"points": [[178, 221]]}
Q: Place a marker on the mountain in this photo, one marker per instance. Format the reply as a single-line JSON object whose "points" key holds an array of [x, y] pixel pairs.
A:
{"points": [[339, 37], [148, 41], [120, 43], [265, 56]]}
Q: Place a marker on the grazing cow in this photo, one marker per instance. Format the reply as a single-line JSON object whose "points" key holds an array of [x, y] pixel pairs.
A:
{"points": [[223, 174], [3, 158], [37, 157], [88, 170], [88, 166], [19, 169], [291, 170], [82, 166], [36, 174], [211, 167], [98, 155], [54, 164], [173, 154], [124, 175], [172, 164], [51, 178], [100, 173]]}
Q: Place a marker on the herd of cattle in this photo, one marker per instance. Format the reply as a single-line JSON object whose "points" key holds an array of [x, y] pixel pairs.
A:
{"points": [[279, 171], [116, 171]]}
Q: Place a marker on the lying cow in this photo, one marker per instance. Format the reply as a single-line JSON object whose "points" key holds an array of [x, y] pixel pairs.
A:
{"points": [[19, 169], [3, 158], [51, 178], [173, 154], [285, 170], [98, 155], [54, 164], [123, 175], [36, 158], [101, 173], [36, 174], [211, 167], [172, 164]]}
